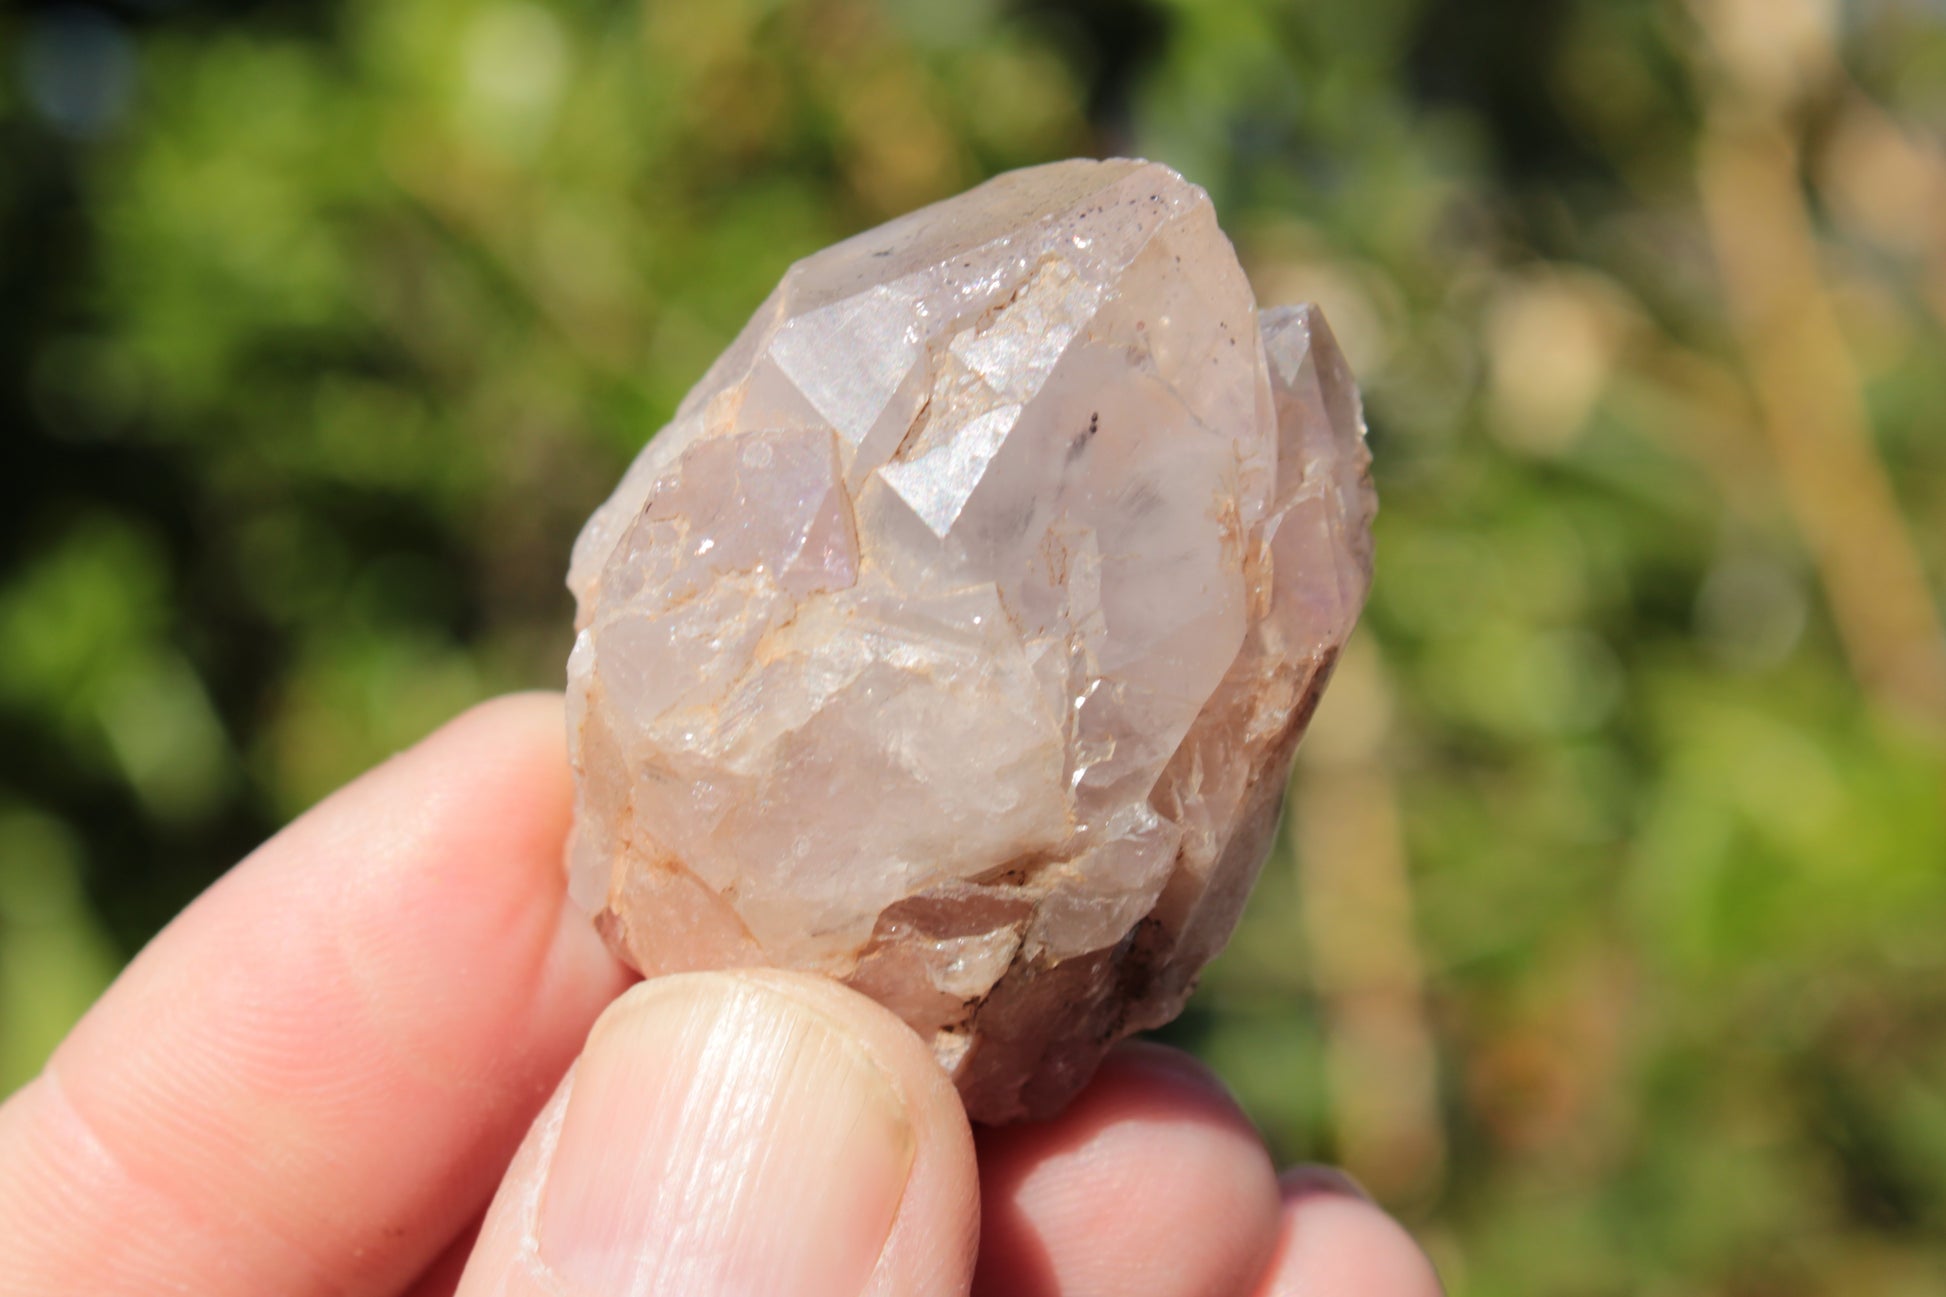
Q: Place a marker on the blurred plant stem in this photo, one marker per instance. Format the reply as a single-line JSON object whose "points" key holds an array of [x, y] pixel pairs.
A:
{"points": [[1812, 409], [1381, 1061], [1887, 183]]}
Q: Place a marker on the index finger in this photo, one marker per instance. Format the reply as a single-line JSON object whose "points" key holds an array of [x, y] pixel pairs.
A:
{"points": [[311, 1080]]}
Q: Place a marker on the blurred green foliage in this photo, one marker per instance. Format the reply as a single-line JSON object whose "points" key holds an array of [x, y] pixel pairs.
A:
{"points": [[1609, 939]]}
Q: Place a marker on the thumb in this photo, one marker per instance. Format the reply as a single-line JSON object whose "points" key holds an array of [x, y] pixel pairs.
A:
{"points": [[727, 1134]]}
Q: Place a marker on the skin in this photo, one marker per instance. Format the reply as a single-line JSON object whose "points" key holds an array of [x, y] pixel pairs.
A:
{"points": [[351, 1068]]}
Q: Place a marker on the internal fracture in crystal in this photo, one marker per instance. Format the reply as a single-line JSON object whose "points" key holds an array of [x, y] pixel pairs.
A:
{"points": [[955, 637]]}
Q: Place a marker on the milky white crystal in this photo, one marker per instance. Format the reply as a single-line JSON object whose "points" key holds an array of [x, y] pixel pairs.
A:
{"points": [[955, 637]]}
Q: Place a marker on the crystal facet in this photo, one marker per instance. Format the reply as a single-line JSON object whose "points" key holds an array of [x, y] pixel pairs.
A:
{"points": [[955, 637]]}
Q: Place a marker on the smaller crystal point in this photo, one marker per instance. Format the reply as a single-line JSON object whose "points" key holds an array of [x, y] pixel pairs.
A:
{"points": [[955, 638]]}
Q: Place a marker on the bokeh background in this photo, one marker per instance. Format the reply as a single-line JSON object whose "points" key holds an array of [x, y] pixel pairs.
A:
{"points": [[1607, 943]]}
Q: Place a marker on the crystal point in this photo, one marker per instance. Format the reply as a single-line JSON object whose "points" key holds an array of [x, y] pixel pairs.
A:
{"points": [[955, 638]]}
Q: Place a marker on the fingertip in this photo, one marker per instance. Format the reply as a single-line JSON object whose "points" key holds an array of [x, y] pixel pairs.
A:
{"points": [[1153, 1182], [469, 874], [745, 1131], [1333, 1238], [508, 757], [538, 714]]}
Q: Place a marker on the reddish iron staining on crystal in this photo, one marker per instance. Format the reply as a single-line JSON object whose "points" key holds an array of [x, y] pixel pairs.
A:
{"points": [[955, 637]]}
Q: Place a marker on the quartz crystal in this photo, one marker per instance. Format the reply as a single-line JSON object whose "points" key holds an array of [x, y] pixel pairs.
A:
{"points": [[954, 638]]}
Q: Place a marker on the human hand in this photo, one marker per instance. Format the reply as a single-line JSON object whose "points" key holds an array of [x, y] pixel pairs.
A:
{"points": [[313, 1080]]}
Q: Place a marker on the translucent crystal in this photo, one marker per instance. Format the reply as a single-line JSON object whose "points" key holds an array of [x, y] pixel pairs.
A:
{"points": [[955, 637]]}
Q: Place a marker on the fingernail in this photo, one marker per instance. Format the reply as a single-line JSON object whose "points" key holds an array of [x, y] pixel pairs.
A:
{"points": [[723, 1137], [1311, 1178]]}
